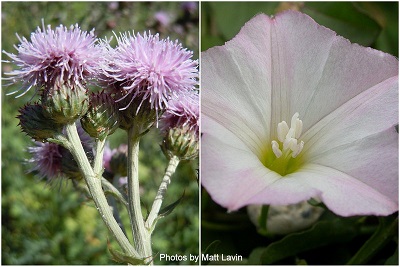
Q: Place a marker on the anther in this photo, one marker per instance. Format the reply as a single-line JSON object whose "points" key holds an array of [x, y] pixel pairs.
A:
{"points": [[289, 138]]}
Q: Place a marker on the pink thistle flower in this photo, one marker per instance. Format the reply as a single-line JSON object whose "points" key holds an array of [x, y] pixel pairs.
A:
{"points": [[256, 149], [65, 54], [182, 112], [46, 160], [163, 18], [150, 69], [190, 7]]}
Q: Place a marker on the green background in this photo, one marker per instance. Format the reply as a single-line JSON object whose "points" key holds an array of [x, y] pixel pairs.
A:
{"points": [[50, 223]]}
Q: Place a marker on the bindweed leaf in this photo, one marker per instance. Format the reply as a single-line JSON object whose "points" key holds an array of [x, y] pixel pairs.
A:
{"points": [[345, 19], [387, 230], [236, 14], [382, 12], [394, 259], [321, 234]]}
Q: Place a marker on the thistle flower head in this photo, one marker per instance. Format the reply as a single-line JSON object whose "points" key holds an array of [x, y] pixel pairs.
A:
{"points": [[180, 126], [46, 160], [52, 161], [60, 54], [150, 69]]}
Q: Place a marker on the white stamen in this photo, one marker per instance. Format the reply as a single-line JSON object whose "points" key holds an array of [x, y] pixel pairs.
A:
{"points": [[275, 149], [294, 119], [298, 150], [283, 129], [289, 138], [291, 133], [299, 128]]}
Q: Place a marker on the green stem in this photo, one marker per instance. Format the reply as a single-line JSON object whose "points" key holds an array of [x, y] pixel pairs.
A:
{"points": [[94, 184], [155, 209], [98, 160], [141, 236], [109, 187]]}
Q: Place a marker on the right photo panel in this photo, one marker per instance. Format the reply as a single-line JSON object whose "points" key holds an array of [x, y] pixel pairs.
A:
{"points": [[299, 157]]}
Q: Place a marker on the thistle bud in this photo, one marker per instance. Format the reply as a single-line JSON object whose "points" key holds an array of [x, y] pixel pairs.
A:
{"points": [[65, 102], [138, 113], [181, 142], [180, 127], [102, 118], [34, 123]]}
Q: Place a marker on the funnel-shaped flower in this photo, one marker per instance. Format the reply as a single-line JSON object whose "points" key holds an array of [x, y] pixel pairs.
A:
{"points": [[61, 54], [291, 111]]}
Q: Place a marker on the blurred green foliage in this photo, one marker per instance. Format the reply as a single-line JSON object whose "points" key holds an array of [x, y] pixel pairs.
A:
{"points": [[333, 240], [52, 223]]}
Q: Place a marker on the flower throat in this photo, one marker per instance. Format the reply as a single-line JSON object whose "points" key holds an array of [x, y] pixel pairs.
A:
{"points": [[282, 157]]}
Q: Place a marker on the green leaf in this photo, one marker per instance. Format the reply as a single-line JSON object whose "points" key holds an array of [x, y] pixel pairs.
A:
{"points": [[168, 209], [338, 230], [387, 230], [345, 19], [394, 259], [233, 15], [387, 16]]}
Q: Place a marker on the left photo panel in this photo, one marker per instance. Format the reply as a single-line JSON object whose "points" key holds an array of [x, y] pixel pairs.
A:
{"points": [[100, 133]]}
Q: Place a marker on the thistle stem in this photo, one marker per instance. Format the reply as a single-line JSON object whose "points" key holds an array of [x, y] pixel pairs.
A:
{"points": [[98, 160], [141, 237], [155, 209], [94, 184]]}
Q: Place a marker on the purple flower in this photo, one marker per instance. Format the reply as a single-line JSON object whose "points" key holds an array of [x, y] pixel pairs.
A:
{"points": [[163, 18], [149, 69], [66, 54], [52, 160], [182, 112], [46, 158], [189, 6]]}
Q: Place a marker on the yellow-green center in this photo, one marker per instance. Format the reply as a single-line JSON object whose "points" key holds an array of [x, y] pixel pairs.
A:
{"points": [[282, 156]]}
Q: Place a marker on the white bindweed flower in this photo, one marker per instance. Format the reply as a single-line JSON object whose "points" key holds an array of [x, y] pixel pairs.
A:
{"points": [[291, 111]]}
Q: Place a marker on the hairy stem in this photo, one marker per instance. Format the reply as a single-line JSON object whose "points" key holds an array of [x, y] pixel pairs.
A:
{"points": [[98, 160], [94, 184], [141, 236], [155, 209]]}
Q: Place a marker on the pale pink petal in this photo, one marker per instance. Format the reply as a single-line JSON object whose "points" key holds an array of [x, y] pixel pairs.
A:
{"points": [[359, 138], [230, 179], [340, 192], [316, 71], [232, 75]]}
